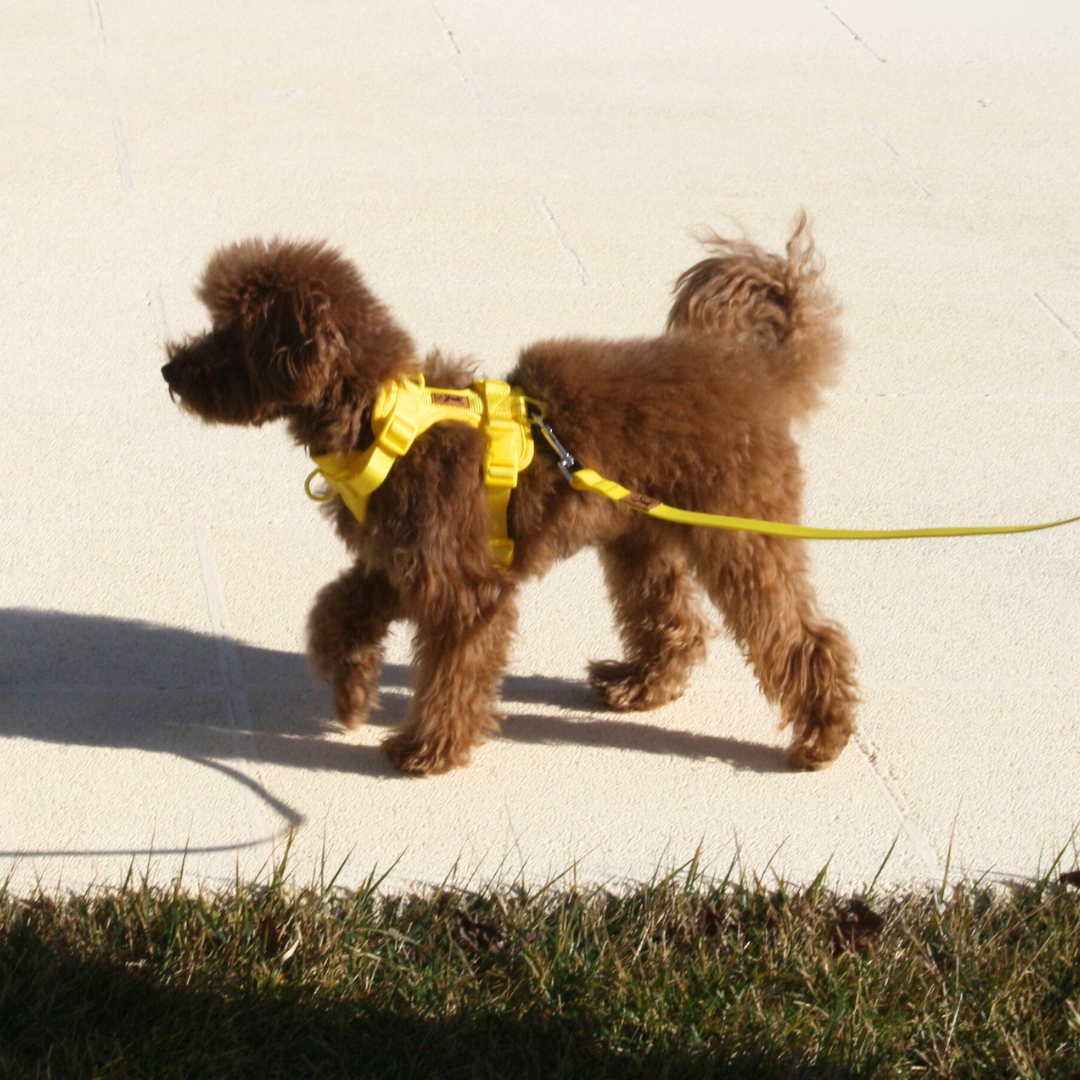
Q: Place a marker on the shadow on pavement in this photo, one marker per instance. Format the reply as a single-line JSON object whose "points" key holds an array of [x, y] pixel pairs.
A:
{"points": [[97, 681]]}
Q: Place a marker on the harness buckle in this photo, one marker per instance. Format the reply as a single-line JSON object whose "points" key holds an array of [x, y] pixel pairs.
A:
{"points": [[499, 474]]}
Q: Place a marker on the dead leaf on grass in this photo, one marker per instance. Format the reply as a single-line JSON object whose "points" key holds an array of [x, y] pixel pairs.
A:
{"points": [[855, 927], [476, 936]]}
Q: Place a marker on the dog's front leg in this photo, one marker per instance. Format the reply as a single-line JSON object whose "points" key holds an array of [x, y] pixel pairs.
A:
{"points": [[459, 663], [346, 629]]}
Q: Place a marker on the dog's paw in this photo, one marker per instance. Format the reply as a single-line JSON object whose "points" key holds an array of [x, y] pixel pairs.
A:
{"points": [[352, 706], [630, 687], [817, 753], [819, 739], [421, 758], [807, 758]]}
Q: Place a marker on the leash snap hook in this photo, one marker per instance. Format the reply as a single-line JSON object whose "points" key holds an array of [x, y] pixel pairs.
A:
{"points": [[567, 463]]}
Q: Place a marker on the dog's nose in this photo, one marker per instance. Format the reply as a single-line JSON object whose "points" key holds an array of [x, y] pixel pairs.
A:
{"points": [[168, 371]]}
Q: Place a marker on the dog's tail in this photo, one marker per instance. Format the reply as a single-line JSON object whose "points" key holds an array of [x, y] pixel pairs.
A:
{"points": [[741, 293]]}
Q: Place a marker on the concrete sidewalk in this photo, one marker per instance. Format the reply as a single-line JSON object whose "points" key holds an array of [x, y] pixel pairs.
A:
{"points": [[502, 173]]}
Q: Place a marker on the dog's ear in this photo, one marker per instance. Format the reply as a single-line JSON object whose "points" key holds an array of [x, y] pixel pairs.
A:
{"points": [[294, 341], [305, 317], [288, 304]]}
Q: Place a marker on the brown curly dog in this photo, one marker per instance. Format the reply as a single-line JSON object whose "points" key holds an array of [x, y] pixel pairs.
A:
{"points": [[699, 418]]}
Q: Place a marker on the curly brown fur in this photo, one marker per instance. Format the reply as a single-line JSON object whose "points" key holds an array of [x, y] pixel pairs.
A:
{"points": [[745, 295], [296, 335], [699, 417]]}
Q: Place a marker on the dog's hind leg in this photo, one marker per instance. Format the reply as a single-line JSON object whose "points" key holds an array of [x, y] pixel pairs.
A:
{"points": [[346, 629], [658, 618], [802, 661], [459, 662]]}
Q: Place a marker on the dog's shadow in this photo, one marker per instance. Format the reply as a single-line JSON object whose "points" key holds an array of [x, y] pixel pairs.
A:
{"points": [[98, 681], [590, 730]]}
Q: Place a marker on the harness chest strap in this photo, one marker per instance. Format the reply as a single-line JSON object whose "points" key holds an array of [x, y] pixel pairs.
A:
{"points": [[404, 410], [509, 450]]}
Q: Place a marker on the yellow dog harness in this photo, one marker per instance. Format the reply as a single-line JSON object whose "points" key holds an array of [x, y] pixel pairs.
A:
{"points": [[405, 409]]}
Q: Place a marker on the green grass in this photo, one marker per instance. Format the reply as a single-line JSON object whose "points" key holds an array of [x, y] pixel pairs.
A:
{"points": [[674, 979]]}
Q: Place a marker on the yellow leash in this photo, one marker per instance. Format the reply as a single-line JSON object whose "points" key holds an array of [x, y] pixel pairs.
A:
{"points": [[404, 409], [589, 480]]}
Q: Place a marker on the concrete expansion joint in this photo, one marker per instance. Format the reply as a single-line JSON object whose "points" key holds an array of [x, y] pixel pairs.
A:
{"points": [[228, 658], [123, 158], [890, 785], [238, 711], [1068, 328]]}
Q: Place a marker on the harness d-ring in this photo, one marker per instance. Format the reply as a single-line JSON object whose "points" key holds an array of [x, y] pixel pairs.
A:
{"points": [[313, 497]]}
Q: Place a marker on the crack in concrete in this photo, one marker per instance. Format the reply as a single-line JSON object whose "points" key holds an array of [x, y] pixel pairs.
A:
{"points": [[906, 167], [445, 26], [122, 157], [1057, 318], [161, 316], [488, 109], [98, 24], [564, 241], [861, 40]]}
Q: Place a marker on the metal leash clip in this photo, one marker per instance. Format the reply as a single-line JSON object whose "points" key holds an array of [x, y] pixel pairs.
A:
{"points": [[567, 463]]}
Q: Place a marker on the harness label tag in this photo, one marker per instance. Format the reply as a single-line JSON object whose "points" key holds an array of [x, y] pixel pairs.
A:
{"points": [[457, 401], [640, 502]]}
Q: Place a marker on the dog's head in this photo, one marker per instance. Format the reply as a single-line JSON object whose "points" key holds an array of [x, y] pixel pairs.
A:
{"points": [[295, 333]]}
